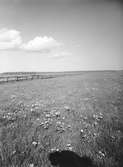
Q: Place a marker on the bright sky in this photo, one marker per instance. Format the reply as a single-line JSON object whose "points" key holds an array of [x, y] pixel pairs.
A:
{"points": [[60, 35]]}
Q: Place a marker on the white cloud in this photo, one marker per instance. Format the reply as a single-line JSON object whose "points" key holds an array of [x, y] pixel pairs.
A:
{"points": [[9, 39], [66, 53], [62, 54], [41, 44]]}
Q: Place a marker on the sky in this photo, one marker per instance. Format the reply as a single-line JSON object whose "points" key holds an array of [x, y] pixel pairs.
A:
{"points": [[61, 35]]}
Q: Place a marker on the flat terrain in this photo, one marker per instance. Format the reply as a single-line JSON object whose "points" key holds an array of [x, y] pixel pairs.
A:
{"points": [[81, 112]]}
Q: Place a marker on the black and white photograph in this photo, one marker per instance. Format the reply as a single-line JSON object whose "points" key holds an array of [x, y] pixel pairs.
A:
{"points": [[61, 83]]}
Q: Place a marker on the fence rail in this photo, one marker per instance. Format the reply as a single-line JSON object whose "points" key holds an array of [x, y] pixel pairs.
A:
{"points": [[23, 77]]}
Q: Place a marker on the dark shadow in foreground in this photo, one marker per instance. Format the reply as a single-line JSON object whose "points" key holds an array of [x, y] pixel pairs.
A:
{"points": [[68, 158]]}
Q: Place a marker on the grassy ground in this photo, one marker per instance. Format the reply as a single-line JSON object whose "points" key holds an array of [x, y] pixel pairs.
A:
{"points": [[83, 113]]}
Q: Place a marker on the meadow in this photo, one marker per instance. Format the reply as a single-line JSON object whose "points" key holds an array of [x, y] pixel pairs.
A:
{"points": [[82, 112]]}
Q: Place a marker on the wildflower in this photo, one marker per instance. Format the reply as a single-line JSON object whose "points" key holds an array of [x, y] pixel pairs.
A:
{"points": [[67, 108], [48, 115], [34, 143], [31, 165], [69, 147], [54, 149], [57, 114], [69, 126], [101, 154]]}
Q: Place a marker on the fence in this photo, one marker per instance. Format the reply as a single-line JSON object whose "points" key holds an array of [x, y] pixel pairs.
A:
{"points": [[23, 77]]}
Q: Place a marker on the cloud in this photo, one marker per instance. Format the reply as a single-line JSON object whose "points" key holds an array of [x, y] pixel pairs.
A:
{"points": [[61, 54], [9, 39], [41, 44], [65, 53]]}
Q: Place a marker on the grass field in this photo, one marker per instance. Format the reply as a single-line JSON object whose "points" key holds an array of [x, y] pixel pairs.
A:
{"points": [[83, 113]]}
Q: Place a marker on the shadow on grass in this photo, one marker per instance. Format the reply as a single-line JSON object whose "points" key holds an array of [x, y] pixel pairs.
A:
{"points": [[67, 158]]}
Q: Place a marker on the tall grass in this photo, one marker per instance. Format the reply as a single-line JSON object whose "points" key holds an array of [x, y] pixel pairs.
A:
{"points": [[20, 144], [24, 142], [106, 146]]}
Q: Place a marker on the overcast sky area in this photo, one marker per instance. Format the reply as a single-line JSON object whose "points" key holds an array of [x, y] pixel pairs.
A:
{"points": [[61, 35]]}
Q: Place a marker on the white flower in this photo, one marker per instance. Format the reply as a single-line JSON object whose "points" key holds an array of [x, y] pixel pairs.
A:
{"points": [[81, 130], [34, 143], [101, 153], [31, 165], [67, 108]]}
